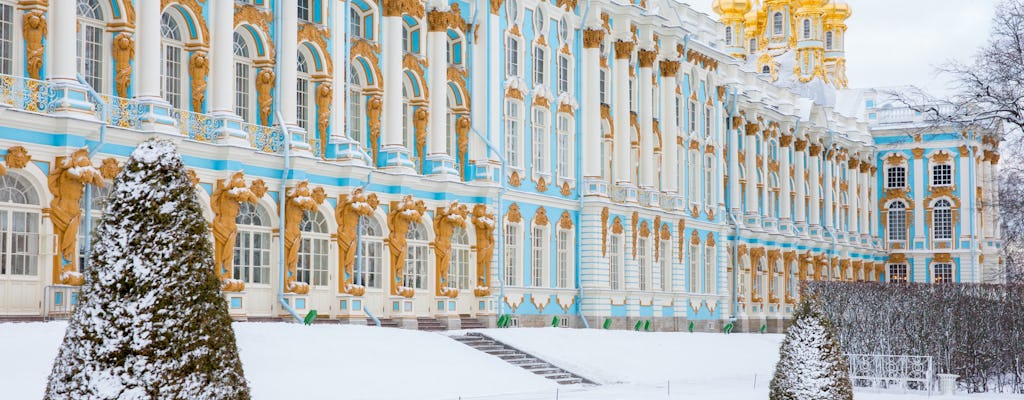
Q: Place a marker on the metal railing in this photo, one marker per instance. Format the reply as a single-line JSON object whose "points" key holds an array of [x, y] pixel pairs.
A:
{"points": [[25, 93], [892, 372]]}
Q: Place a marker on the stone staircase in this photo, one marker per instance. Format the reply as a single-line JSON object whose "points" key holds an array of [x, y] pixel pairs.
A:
{"points": [[521, 359], [470, 322], [384, 323], [429, 325]]}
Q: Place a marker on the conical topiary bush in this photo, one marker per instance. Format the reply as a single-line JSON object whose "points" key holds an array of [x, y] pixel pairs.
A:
{"points": [[811, 365], [151, 323]]}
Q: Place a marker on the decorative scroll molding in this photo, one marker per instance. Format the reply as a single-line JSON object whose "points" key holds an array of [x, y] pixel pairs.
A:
{"points": [[297, 201], [402, 214], [483, 224], [318, 37], [565, 190], [67, 182], [445, 222], [347, 214], [617, 227], [541, 217], [514, 179], [251, 15], [565, 220], [225, 201]]}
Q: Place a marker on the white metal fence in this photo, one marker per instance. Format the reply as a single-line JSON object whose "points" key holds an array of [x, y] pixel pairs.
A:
{"points": [[891, 372]]}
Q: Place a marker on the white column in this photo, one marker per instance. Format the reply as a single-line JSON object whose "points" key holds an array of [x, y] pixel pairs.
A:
{"points": [[620, 113], [487, 88], [829, 183], [147, 48], [917, 169], [785, 216], [873, 199], [669, 147], [800, 208], [866, 229], [392, 146], [289, 48], [813, 186], [851, 195], [62, 25], [993, 189], [222, 79], [751, 168], [438, 153], [734, 166], [339, 82], [988, 196], [646, 108], [590, 104]]}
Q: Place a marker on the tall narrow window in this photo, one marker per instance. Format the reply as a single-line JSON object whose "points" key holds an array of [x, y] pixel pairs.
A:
{"points": [[643, 263], [512, 153], [565, 147], [416, 256], [540, 141], [807, 29], [20, 222], [615, 261], [828, 40], [252, 244], [692, 116], [355, 99], [6, 39], [709, 180], [942, 273], [302, 93], [942, 220], [243, 80], [370, 262], [898, 273], [538, 261], [511, 254], [90, 43], [777, 24], [694, 177], [942, 175], [728, 35], [355, 23], [172, 51], [458, 270], [305, 14], [694, 266], [897, 216], [539, 65], [603, 85], [564, 263], [313, 251], [563, 74], [708, 125], [753, 46], [511, 57], [709, 269], [665, 259]]}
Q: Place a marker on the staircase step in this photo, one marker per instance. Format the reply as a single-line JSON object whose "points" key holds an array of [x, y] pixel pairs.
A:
{"points": [[515, 357], [570, 381]]}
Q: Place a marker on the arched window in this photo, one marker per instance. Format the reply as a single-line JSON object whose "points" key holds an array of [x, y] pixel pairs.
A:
{"points": [[664, 282], [728, 35], [710, 259], [512, 253], [643, 261], [773, 197], [756, 284], [564, 265], [303, 93], [408, 128], [777, 24], [513, 135], [766, 69], [942, 175], [313, 264], [244, 90], [828, 40], [252, 245], [539, 136], [370, 262], [539, 256], [356, 103], [897, 218], [6, 39], [173, 48], [19, 228], [416, 256], [807, 29], [942, 220], [458, 269], [91, 40], [615, 261]]}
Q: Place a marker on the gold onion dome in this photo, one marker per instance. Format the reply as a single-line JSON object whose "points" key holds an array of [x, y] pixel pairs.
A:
{"points": [[752, 17], [811, 3], [838, 10], [735, 7]]}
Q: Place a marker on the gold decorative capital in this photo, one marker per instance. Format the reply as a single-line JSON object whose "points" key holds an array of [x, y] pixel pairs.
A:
{"points": [[647, 57], [592, 38], [624, 49]]}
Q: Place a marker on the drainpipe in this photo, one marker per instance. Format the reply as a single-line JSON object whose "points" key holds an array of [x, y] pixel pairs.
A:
{"points": [[579, 174], [87, 245], [974, 195], [732, 216], [285, 171]]}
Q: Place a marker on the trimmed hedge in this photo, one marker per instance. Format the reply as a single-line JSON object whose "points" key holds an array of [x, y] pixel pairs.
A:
{"points": [[972, 330]]}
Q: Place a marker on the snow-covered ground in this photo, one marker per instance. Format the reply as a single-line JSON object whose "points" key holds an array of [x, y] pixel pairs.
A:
{"points": [[333, 362]]}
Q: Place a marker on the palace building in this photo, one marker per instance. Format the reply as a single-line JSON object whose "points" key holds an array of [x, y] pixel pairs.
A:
{"points": [[406, 160]]}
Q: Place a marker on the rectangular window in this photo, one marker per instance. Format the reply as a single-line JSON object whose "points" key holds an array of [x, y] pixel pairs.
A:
{"points": [[90, 55], [458, 272], [355, 117], [355, 23], [242, 92], [512, 134], [304, 12], [692, 116], [898, 273], [708, 111], [709, 181], [603, 86], [538, 261], [709, 269], [565, 150], [540, 141], [172, 75], [6, 39], [416, 266], [312, 265], [252, 257], [615, 262], [19, 243], [511, 57], [564, 259], [372, 259], [642, 261], [942, 273], [942, 175], [511, 254], [563, 74], [539, 65], [679, 114], [302, 102], [665, 258], [694, 268], [897, 225], [942, 223], [896, 178]]}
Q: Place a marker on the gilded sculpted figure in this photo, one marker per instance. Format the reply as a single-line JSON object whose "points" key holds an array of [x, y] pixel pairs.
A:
{"points": [[350, 209], [33, 27], [444, 226], [225, 201], [419, 122], [124, 52], [299, 200], [483, 222], [67, 182], [373, 109], [324, 97], [198, 67], [264, 82], [402, 214]]}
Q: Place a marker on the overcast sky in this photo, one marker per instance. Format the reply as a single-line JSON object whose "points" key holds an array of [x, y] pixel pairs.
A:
{"points": [[901, 42]]}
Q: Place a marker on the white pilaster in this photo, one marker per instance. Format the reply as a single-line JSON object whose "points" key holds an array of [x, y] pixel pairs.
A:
{"points": [[800, 207], [854, 202], [785, 216], [829, 184], [750, 148], [620, 113], [917, 169], [734, 167], [813, 185], [645, 100], [222, 92], [341, 147], [439, 157], [71, 96], [866, 229], [669, 161], [393, 149], [156, 112]]}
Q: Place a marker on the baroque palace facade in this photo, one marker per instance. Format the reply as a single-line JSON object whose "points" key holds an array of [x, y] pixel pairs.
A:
{"points": [[402, 159]]}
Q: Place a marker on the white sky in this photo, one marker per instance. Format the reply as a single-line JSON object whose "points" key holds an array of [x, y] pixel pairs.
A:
{"points": [[901, 42]]}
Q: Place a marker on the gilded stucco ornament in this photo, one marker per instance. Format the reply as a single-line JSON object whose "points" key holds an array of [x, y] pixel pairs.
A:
{"points": [[657, 243], [251, 15], [514, 179], [33, 28], [350, 209], [198, 69], [324, 97], [483, 224], [462, 126], [402, 213], [634, 219], [604, 231], [17, 157], [565, 190], [124, 51], [299, 200], [110, 168], [542, 185], [317, 36], [228, 194], [374, 107], [264, 83], [445, 222], [420, 119], [592, 38], [67, 182]]}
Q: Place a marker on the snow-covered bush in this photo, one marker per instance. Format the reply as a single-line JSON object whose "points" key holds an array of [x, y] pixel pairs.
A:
{"points": [[151, 323], [811, 365], [972, 330]]}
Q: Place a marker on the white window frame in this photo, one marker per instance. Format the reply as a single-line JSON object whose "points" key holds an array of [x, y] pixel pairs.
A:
{"points": [[896, 177], [897, 273], [539, 64], [691, 115], [369, 267], [357, 106], [314, 262], [513, 51], [304, 10], [807, 28], [943, 273], [512, 253], [513, 134], [245, 80], [20, 249], [942, 175], [942, 220], [564, 72], [695, 270], [710, 190], [459, 262], [708, 121], [540, 138], [643, 263], [564, 277], [99, 49], [305, 105], [897, 222], [538, 256], [664, 282], [778, 25], [616, 261], [710, 261], [246, 266], [566, 147], [8, 42], [417, 259], [173, 85]]}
